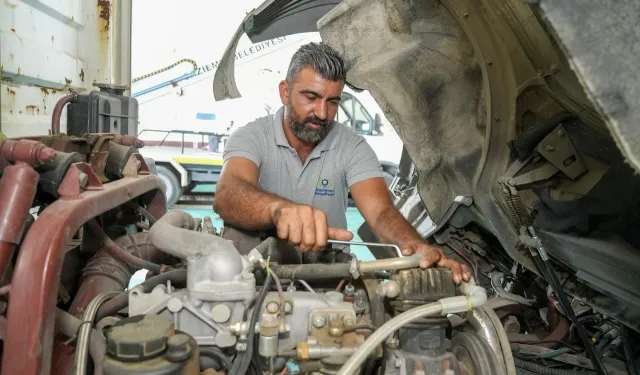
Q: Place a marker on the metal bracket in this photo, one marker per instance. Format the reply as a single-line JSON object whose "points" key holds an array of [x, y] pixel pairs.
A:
{"points": [[560, 151], [79, 177]]}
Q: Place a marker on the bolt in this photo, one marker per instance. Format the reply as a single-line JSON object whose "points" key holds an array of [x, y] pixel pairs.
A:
{"points": [[273, 307], [550, 148], [241, 346], [349, 321], [319, 321], [360, 301], [83, 178], [465, 14], [393, 343], [349, 290], [561, 133], [288, 307]]}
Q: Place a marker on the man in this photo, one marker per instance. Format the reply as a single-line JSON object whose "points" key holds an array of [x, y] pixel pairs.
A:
{"points": [[292, 171]]}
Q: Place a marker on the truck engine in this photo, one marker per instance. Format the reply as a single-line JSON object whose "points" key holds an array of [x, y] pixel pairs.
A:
{"points": [[82, 212]]}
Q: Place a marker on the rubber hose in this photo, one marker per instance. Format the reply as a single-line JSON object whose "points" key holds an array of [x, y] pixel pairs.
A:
{"points": [[217, 355], [117, 252], [119, 302], [538, 369], [504, 341], [312, 271], [268, 246]]}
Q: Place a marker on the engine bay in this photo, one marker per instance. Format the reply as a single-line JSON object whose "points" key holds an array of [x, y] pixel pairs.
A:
{"points": [[97, 215]]}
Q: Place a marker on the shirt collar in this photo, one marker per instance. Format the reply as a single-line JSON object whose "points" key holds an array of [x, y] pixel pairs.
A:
{"points": [[329, 142]]}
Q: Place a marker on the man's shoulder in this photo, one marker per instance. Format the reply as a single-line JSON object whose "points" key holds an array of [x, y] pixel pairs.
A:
{"points": [[257, 127], [347, 137]]}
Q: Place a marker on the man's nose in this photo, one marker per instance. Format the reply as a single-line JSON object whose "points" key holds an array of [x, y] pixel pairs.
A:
{"points": [[320, 111]]}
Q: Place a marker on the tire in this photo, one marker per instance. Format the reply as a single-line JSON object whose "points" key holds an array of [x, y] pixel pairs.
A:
{"points": [[172, 184]]}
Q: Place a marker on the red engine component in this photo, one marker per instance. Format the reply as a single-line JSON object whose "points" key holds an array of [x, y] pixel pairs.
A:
{"points": [[75, 195]]}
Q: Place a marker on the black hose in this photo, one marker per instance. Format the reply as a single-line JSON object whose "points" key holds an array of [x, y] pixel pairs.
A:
{"points": [[628, 351], [267, 246], [217, 355], [243, 360], [539, 369], [121, 301], [312, 271]]}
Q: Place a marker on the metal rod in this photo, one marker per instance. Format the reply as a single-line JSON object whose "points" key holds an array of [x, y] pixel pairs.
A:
{"points": [[395, 247], [544, 263]]}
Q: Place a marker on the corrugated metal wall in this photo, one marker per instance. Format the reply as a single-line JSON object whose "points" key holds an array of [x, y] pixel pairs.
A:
{"points": [[49, 47]]}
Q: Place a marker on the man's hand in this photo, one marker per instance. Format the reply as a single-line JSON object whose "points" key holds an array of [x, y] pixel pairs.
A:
{"points": [[435, 256], [305, 226]]}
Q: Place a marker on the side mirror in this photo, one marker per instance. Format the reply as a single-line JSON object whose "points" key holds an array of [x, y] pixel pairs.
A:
{"points": [[378, 124]]}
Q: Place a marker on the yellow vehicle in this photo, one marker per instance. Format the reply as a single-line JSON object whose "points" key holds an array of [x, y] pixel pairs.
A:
{"points": [[185, 164]]}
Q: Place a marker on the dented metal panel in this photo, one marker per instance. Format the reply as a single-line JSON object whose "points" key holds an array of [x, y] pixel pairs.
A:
{"points": [[49, 47]]}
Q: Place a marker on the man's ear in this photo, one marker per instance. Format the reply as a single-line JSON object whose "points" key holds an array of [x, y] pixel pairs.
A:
{"points": [[284, 92]]}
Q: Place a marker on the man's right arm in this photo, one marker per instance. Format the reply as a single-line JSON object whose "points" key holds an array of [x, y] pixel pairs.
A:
{"points": [[238, 199]]}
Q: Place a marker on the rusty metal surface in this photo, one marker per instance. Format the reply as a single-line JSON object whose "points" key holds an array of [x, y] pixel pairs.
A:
{"points": [[30, 152], [29, 340], [17, 189], [128, 140]]}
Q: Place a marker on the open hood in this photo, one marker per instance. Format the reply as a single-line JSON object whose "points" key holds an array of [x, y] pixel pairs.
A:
{"points": [[602, 63]]}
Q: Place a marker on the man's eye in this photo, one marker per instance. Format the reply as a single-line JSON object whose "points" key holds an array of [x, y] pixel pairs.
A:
{"points": [[310, 97]]}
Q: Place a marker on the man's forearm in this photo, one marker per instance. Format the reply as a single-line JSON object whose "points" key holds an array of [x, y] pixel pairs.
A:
{"points": [[246, 206], [391, 227]]}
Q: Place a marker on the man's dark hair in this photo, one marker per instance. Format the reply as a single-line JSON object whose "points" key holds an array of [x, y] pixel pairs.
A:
{"points": [[324, 60]]}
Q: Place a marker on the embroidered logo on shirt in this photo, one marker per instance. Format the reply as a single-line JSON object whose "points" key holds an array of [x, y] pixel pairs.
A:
{"points": [[325, 187]]}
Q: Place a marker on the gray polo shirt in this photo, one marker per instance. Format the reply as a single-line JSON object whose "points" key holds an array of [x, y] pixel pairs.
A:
{"points": [[340, 160]]}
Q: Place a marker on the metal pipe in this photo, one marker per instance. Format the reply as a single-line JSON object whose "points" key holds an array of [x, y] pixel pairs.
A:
{"points": [[390, 264], [374, 244], [57, 111], [18, 188], [174, 234], [68, 325], [31, 316], [84, 332]]}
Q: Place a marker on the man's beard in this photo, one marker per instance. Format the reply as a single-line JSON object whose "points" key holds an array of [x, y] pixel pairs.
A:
{"points": [[304, 132]]}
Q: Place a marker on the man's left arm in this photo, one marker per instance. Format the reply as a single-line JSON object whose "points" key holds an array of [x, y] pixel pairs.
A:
{"points": [[371, 196]]}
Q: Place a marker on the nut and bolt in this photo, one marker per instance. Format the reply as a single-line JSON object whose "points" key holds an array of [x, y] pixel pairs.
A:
{"points": [[349, 321], [561, 132], [393, 343], [273, 307], [550, 148], [319, 321], [349, 290], [241, 346], [284, 328], [288, 307]]}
